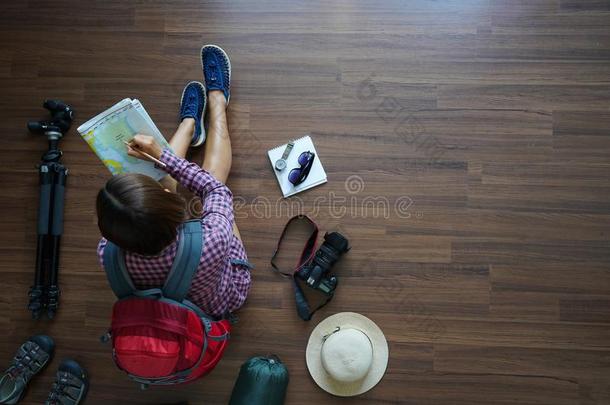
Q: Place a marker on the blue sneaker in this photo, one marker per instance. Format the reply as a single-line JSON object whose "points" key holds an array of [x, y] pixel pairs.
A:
{"points": [[216, 69], [192, 105]]}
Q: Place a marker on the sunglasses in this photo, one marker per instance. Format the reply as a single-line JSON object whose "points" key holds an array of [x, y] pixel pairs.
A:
{"points": [[299, 174]]}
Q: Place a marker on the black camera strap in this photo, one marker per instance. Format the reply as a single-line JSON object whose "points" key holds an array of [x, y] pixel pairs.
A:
{"points": [[309, 250]]}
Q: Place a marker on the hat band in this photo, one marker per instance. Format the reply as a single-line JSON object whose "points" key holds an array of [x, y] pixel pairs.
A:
{"points": [[338, 328]]}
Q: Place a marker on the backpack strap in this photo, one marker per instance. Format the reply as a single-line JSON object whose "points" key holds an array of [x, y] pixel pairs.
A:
{"points": [[186, 262], [116, 271]]}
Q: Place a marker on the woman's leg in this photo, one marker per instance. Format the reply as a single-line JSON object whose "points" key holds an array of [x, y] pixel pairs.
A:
{"points": [[218, 155], [180, 143]]}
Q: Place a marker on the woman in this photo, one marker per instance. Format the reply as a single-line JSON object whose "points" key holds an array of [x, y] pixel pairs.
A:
{"points": [[141, 215]]}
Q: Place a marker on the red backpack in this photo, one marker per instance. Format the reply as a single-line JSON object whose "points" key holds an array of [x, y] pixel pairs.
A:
{"points": [[158, 336]]}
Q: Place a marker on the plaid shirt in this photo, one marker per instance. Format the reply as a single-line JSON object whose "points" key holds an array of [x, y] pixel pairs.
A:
{"points": [[222, 280]]}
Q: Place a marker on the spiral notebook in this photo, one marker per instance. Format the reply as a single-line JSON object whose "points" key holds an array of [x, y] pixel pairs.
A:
{"points": [[317, 175]]}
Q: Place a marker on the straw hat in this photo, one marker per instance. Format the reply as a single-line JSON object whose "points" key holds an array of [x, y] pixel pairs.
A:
{"points": [[347, 354]]}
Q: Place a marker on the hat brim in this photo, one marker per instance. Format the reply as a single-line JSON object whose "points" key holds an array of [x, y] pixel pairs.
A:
{"points": [[378, 365]]}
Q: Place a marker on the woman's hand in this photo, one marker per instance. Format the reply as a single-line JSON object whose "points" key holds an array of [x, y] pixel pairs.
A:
{"points": [[146, 144]]}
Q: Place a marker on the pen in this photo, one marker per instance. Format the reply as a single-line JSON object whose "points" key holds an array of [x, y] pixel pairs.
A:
{"points": [[157, 161]]}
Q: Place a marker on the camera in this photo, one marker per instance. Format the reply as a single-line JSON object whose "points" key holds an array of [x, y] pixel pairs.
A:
{"points": [[315, 273], [314, 268]]}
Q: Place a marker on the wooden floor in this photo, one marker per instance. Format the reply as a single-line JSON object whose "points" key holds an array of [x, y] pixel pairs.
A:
{"points": [[467, 146]]}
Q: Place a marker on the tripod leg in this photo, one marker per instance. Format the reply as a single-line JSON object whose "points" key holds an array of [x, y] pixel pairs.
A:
{"points": [[36, 294], [57, 228]]}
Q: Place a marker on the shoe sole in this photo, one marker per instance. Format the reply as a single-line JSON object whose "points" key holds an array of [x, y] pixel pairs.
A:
{"points": [[205, 102], [228, 61]]}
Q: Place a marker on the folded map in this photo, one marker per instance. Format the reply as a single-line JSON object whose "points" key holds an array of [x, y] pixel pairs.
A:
{"points": [[106, 133]]}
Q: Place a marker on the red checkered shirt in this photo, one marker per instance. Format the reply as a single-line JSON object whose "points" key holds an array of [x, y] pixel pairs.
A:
{"points": [[222, 280]]}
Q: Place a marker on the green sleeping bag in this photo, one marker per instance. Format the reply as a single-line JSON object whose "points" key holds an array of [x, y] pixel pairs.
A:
{"points": [[261, 381]]}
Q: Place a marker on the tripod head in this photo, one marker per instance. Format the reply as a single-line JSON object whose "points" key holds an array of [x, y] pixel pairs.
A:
{"points": [[61, 120]]}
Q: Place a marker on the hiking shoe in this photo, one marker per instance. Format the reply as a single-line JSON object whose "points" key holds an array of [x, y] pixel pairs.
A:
{"points": [[192, 105], [29, 360], [70, 386], [216, 69]]}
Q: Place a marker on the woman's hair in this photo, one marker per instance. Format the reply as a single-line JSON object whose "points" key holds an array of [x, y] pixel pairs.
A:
{"points": [[137, 214]]}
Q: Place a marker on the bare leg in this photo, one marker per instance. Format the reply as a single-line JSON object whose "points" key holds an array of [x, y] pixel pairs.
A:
{"points": [[180, 143], [218, 154], [217, 158]]}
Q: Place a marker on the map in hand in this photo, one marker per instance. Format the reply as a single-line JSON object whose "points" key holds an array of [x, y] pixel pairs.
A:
{"points": [[107, 133]]}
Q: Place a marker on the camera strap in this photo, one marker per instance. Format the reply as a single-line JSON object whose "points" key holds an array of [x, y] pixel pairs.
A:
{"points": [[308, 249], [307, 255]]}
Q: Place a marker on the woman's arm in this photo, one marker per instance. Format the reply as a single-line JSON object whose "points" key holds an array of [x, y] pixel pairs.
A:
{"points": [[217, 206], [217, 200]]}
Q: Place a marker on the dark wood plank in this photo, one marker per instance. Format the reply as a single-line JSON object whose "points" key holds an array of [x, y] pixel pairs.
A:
{"points": [[476, 134]]}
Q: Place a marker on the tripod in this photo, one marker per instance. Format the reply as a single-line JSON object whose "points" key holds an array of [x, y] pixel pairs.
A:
{"points": [[52, 179]]}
